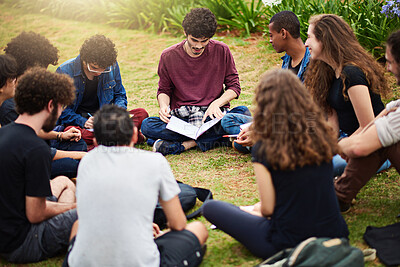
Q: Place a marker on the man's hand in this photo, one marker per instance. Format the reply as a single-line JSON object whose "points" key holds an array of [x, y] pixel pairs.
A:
{"points": [[89, 123], [156, 231], [342, 144], [72, 134], [244, 138], [213, 111], [164, 114]]}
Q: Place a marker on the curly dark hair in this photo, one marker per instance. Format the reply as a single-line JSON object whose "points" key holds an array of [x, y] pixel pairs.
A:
{"points": [[99, 50], [340, 45], [288, 21], [113, 126], [200, 23], [8, 69], [38, 86], [31, 49], [393, 43], [290, 127]]}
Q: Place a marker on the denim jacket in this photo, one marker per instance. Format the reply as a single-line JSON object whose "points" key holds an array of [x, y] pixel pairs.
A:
{"points": [[286, 60], [110, 90]]}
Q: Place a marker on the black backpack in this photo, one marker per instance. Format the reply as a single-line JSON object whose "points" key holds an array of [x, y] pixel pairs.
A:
{"points": [[187, 197]]}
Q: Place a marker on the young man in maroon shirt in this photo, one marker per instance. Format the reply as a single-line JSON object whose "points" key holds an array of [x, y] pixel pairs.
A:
{"points": [[198, 79]]}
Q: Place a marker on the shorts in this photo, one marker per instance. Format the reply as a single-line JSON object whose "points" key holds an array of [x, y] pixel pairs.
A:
{"points": [[45, 239], [177, 248]]}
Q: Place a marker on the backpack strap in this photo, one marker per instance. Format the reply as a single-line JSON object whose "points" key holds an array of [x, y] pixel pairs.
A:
{"points": [[203, 195]]}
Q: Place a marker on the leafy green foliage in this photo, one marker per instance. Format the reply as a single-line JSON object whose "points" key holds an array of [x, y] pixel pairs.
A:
{"points": [[249, 18], [227, 173], [370, 26], [218, 8], [244, 16], [176, 14]]}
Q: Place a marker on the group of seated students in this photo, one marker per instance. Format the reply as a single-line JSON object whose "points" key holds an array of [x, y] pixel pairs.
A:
{"points": [[293, 139]]}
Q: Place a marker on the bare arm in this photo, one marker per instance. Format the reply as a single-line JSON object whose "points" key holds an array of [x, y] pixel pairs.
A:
{"points": [[38, 209], [266, 189], [60, 154], [173, 211], [361, 101], [333, 121], [361, 144], [163, 102], [72, 134], [214, 110], [48, 136]]}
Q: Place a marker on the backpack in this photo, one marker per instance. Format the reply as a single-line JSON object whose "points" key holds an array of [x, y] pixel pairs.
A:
{"points": [[187, 197], [318, 252], [386, 241]]}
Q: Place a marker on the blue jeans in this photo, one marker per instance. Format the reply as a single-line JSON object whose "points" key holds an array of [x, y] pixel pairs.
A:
{"points": [[154, 128], [231, 122], [64, 166], [69, 145]]}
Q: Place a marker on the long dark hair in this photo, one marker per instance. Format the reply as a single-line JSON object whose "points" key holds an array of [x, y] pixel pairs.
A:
{"points": [[340, 45]]}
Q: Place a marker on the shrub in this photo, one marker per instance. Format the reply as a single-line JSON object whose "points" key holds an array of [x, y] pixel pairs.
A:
{"points": [[244, 16], [370, 26], [371, 20]]}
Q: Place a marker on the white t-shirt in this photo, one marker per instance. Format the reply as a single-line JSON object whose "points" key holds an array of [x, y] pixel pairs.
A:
{"points": [[388, 127], [117, 191]]}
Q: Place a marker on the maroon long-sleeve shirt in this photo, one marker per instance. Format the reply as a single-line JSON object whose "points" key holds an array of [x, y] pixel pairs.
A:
{"points": [[197, 81]]}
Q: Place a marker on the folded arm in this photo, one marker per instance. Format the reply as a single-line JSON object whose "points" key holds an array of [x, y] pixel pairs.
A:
{"points": [[39, 209]]}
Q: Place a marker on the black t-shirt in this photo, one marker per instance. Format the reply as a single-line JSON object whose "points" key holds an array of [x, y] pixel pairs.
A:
{"points": [[90, 101], [25, 166], [294, 69], [348, 121], [305, 206], [7, 112]]}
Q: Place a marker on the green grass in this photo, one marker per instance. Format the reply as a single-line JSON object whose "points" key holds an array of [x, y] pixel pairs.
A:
{"points": [[227, 173]]}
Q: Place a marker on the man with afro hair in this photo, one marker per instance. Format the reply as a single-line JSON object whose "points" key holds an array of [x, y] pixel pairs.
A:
{"points": [[97, 80], [198, 79], [30, 49]]}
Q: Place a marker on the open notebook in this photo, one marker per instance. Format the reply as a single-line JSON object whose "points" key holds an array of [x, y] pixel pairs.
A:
{"points": [[182, 127]]}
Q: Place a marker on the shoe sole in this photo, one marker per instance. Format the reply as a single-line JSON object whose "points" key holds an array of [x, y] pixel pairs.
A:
{"points": [[154, 145]]}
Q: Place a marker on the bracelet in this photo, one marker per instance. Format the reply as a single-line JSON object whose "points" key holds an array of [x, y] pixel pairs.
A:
{"points": [[59, 136]]}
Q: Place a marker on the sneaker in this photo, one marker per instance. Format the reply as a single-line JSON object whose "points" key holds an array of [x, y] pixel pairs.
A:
{"points": [[241, 149], [344, 207], [168, 147]]}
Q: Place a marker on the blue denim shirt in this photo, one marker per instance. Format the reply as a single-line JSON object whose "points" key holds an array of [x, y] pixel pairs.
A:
{"points": [[286, 60], [110, 90]]}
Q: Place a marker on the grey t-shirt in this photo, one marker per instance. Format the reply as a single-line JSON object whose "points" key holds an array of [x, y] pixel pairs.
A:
{"points": [[117, 191], [388, 127]]}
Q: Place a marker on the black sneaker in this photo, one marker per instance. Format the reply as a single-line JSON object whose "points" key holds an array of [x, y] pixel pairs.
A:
{"points": [[168, 147], [344, 207]]}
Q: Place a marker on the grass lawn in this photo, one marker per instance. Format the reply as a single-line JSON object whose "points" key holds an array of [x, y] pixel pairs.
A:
{"points": [[227, 173]]}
